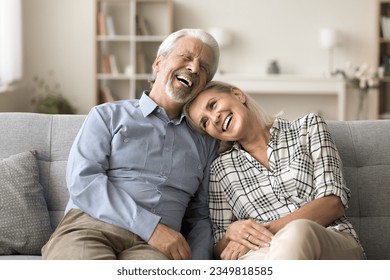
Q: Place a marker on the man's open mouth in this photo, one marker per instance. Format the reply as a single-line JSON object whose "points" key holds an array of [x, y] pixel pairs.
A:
{"points": [[184, 80]]}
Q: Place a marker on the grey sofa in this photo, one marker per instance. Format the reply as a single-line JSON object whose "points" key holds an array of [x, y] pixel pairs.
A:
{"points": [[364, 147]]}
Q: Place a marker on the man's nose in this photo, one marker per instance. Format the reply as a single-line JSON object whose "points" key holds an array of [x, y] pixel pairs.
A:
{"points": [[193, 66]]}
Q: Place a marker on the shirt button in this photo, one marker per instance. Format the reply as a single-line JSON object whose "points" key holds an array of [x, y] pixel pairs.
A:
{"points": [[126, 140]]}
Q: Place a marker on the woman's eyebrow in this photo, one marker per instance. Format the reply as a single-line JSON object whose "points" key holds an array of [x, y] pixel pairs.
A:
{"points": [[209, 102]]}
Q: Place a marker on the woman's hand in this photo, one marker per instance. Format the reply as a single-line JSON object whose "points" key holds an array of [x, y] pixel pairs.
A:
{"points": [[249, 233], [233, 251]]}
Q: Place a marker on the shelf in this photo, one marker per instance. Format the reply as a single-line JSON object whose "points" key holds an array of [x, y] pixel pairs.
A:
{"points": [[385, 115], [124, 38], [385, 79], [123, 76], [128, 34], [290, 85], [384, 57]]}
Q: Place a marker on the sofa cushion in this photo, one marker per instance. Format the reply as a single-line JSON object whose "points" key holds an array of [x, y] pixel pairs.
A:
{"points": [[24, 218]]}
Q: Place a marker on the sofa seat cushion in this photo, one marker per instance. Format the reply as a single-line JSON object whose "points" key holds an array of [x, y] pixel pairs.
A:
{"points": [[24, 217]]}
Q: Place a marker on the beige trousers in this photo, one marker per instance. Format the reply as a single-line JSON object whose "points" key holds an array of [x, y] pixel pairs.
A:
{"points": [[80, 237], [307, 240]]}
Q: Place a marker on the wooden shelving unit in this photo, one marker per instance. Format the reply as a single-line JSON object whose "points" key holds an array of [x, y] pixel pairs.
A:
{"points": [[128, 33], [384, 57]]}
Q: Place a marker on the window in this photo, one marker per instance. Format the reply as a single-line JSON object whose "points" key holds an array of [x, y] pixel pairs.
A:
{"points": [[10, 43]]}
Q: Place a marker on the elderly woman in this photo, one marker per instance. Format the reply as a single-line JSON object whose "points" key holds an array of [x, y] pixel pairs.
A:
{"points": [[276, 189]]}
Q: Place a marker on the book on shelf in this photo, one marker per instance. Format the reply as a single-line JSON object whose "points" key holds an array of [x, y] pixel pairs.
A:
{"points": [[113, 64], [109, 64], [385, 26], [141, 62], [106, 64], [106, 95], [110, 26], [142, 25], [101, 24]]}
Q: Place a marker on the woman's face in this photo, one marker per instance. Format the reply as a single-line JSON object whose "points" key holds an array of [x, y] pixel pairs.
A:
{"points": [[221, 115]]}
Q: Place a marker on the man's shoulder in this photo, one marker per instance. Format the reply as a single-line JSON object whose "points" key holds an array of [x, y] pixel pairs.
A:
{"points": [[117, 107], [119, 104]]}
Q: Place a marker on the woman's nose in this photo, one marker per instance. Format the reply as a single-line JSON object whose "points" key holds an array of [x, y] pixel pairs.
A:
{"points": [[215, 117]]}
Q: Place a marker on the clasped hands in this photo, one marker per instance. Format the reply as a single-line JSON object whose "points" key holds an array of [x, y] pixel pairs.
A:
{"points": [[245, 235]]}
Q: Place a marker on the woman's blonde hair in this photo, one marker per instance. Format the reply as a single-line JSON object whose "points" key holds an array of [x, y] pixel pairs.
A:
{"points": [[265, 119]]}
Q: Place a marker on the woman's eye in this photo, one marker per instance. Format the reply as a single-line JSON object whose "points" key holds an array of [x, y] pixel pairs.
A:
{"points": [[204, 124], [212, 104]]}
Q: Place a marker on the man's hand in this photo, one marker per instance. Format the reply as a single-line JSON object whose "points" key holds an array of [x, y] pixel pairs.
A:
{"points": [[171, 243], [233, 251]]}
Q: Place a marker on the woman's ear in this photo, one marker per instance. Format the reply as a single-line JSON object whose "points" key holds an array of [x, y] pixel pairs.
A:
{"points": [[239, 94]]}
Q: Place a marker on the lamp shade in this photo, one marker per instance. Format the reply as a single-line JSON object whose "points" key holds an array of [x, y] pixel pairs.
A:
{"points": [[327, 38], [221, 35]]}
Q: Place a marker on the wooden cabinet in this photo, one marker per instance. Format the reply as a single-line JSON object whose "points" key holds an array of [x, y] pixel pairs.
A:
{"points": [[128, 33], [384, 56]]}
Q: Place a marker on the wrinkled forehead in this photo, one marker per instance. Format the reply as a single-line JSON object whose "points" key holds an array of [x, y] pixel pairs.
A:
{"points": [[195, 47]]}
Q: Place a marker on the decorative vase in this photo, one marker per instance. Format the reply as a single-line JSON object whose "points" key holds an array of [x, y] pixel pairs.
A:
{"points": [[273, 67], [362, 104]]}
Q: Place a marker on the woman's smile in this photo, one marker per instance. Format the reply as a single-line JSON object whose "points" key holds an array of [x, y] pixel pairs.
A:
{"points": [[227, 121]]}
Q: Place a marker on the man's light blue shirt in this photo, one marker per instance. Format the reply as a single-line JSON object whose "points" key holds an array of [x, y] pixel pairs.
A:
{"points": [[132, 167]]}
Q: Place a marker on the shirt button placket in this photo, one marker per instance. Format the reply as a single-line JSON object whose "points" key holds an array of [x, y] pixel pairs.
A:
{"points": [[168, 150]]}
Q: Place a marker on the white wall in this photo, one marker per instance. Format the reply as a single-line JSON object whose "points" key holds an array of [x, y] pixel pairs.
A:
{"points": [[286, 30], [59, 34]]}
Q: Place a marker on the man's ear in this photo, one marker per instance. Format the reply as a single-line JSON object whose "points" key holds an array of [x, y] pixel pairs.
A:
{"points": [[239, 94], [156, 63]]}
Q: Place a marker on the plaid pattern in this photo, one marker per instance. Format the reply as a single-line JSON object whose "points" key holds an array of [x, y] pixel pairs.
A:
{"points": [[304, 165]]}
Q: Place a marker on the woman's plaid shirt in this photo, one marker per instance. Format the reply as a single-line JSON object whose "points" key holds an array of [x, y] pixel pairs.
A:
{"points": [[304, 165]]}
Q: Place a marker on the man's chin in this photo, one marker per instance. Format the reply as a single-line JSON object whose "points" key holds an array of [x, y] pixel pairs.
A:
{"points": [[181, 97]]}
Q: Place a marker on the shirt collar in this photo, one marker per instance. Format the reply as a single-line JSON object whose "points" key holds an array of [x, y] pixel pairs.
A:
{"points": [[147, 106], [278, 125]]}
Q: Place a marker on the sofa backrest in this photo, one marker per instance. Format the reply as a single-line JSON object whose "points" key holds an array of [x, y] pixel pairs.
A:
{"points": [[51, 136], [364, 147]]}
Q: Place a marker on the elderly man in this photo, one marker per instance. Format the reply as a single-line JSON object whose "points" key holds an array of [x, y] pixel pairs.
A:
{"points": [[137, 174]]}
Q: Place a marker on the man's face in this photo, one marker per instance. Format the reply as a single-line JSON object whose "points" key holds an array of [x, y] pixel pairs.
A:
{"points": [[184, 71]]}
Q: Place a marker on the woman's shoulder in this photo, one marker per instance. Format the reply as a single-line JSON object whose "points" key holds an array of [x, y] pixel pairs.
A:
{"points": [[310, 117], [308, 120], [225, 159]]}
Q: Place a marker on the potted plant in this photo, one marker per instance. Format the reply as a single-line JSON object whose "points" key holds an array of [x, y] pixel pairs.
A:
{"points": [[48, 98]]}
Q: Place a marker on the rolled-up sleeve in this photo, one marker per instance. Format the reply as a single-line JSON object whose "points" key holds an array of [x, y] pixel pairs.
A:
{"points": [[328, 177]]}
